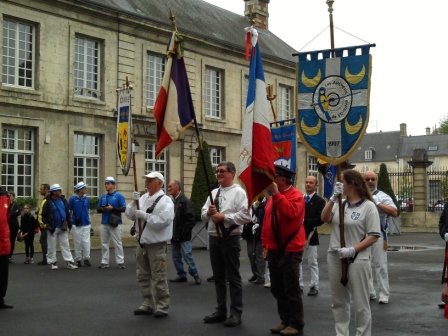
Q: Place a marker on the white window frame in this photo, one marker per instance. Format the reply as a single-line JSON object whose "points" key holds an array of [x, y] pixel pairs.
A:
{"points": [[216, 156], [87, 70], [18, 154], [284, 97], [312, 166], [86, 162], [155, 69], [17, 50], [368, 155], [153, 164], [213, 93]]}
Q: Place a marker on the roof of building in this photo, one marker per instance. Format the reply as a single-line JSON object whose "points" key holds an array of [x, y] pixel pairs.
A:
{"points": [[385, 147], [204, 20], [435, 145]]}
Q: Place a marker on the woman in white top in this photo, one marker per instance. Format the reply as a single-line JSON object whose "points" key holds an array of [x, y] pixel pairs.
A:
{"points": [[361, 230]]}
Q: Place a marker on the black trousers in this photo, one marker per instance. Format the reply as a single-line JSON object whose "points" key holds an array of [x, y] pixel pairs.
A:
{"points": [[13, 229], [43, 243], [4, 268], [225, 260], [29, 245], [284, 273]]}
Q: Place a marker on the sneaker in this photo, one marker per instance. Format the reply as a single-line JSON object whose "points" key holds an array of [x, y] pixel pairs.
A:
{"points": [[252, 278], [78, 263], [103, 266], [87, 263], [71, 265], [27, 261], [54, 266], [267, 285], [258, 281], [121, 266], [31, 261], [197, 280]]}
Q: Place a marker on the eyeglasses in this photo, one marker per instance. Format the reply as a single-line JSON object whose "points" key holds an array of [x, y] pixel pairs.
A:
{"points": [[367, 179], [221, 171], [25, 208]]}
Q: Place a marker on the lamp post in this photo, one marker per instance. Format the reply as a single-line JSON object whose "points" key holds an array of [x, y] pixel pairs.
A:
{"points": [[135, 149]]}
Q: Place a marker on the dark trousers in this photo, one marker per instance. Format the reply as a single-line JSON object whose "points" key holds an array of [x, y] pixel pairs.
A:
{"points": [[43, 243], [225, 260], [12, 237], [29, 245], [4, 267], [285, 287], [255, 254]]}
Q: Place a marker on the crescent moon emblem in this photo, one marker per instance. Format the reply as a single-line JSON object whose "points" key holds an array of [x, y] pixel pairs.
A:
{"points": [[355, 79], [353, 129], [311, 82], [311, 131]]}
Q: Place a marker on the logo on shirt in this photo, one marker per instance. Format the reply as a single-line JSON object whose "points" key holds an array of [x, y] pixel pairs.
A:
{"points": [[355, 215]]}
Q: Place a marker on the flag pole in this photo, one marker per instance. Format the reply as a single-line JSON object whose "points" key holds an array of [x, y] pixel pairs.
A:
{"points": [[198, 136]]}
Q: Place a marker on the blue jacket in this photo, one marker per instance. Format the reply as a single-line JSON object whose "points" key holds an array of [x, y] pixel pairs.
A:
{"points": [[80, 208], [118, 203], [54, 211]]}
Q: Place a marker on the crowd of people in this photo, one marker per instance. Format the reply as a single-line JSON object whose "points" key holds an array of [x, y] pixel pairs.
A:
{"points": [[279, 228]]}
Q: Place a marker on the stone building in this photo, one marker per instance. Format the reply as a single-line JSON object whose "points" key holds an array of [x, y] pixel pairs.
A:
{"points": [[64, 59]]}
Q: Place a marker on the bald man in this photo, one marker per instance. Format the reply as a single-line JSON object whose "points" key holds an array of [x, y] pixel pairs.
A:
{"points": [[386, 207], [314, 204]]}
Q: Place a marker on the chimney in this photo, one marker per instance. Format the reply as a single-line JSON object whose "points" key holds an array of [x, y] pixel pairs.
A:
{"points": [[260, 12], [403, 130], [428, 131]]}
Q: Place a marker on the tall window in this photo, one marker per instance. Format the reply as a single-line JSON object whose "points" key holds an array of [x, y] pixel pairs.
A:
{"points": [[18, 54], [312, 166], [155, 68], [18, 161], [87, 162], [213, 93], [151, 164], [87, 68], [284, 103], [216, 156]]}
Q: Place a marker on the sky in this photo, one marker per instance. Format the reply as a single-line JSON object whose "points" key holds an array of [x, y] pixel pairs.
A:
{"points": [[407, 62]]}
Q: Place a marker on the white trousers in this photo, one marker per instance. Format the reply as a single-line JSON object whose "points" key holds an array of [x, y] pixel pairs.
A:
{"points": [[81, 240], [357, 290], [311, 252], [108, 232], [62, 238], [379, 269]]}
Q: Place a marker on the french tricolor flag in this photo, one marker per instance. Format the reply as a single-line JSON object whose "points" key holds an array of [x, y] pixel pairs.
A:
{"points": [[256, 160], [173, 110]]}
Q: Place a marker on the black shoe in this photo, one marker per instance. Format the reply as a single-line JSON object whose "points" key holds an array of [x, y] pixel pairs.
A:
{"points": [[179, 279], [211, 279], [253, 278], [441, 305], [6, 306], [259, 281], [42, 263], [313, 292], [232, 321], [160, 314], [87, 263], [197, 280], [142, 312], [78, 263], [215, 318]]}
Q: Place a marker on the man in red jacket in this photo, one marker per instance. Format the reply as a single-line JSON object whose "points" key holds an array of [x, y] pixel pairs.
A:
{"points": [[5, 246], [283, 240]]}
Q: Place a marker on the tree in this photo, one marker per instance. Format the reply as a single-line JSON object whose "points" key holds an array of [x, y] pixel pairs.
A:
{"points": [[385, 186], [199, 192], [443, 125]]}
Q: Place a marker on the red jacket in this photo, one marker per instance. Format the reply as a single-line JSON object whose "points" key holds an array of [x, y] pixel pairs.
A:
{"points": [[5, 243], [290, 206]]}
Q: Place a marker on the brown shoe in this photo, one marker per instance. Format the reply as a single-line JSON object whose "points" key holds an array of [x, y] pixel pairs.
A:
{"points": [[277, 329], [291, 331]]}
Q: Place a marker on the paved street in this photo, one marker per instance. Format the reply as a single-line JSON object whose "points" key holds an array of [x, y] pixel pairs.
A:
{"points": [[91, 301]]}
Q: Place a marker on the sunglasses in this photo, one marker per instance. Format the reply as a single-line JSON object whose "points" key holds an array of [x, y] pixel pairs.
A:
{"points": [[221, 171], [367, 179]]}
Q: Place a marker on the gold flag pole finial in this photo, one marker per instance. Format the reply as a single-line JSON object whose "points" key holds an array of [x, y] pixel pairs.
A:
{"points": [[173, 20], [271, 96], [252, 21], [330, 10]]}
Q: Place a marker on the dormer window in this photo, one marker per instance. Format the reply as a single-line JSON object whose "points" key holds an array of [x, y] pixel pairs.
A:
{"points": [[368, 155]]}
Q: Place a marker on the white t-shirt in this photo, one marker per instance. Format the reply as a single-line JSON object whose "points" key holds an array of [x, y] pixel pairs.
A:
{"points": [[360, 220], [384, 199]]}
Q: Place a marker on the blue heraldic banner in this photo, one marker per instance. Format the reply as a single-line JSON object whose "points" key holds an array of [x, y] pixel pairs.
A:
{"points": [[284, 141], [333, 101]]}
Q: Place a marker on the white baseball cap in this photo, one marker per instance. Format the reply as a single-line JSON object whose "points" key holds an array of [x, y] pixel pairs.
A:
{"points": [[110, 179], [156, 175], [80, 185], [55, 187]]}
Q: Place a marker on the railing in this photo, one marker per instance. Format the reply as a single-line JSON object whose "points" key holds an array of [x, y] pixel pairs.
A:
{"points": [[437, 189], [401, 182]]}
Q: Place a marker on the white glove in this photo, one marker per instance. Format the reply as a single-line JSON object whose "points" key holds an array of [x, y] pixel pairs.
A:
{"points": [[135, 195], [446, 237], [346, 252], [140, 214], [376, 200], [254, 228], [338, 190]]}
